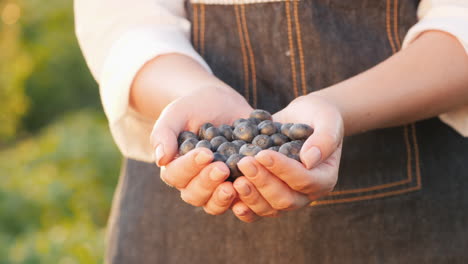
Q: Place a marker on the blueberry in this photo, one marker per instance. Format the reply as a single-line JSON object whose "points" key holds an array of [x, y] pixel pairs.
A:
{"points": [[204, 144], [219, 157], [261, 114], [231, 162], [291, 150], [225, 131], [239, 143], [300, 131], [203, 128], [249, 150], [279, 139], [211, 133], [238, 121], [184, 136], [262, 141], [245, 131], [275, 148], [255, 121], [267, 127], [187, 146], [278, 126], [228, 149], [285, 129], [216, 142], [298, 143]]}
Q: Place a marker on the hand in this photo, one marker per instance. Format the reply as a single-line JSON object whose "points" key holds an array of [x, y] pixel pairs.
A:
{"points": [[200, 182], [274, 183]]}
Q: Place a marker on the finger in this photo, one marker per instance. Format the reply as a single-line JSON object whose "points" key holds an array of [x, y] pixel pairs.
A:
{"points": [[201, 187], [327, 136], [164, 135], [252, 198], [179, 172], [276, 192], [221, 199], [293, 173], [244, 213]]}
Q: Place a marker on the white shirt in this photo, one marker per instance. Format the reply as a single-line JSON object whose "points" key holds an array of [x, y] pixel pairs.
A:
{"points": [[119, 36]]}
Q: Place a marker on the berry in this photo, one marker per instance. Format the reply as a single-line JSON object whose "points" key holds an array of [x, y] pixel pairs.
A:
{"points": [[279, 139], [300, 131], [255, 121], [285, 129], [245, 131], [291, 150], [275, 148], [238, 121], [216, 142], [261, 114], [267, 127], [262, 141], [204, 144], [219, 157], [226, 131], [231, 162], [187, 146], [278, 126], [249, 150], [239, 143], [211, 133], [228, 149], [184, 136], [203, 128]]}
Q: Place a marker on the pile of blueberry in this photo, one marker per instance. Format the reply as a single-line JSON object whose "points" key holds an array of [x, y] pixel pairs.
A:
{"points": [[246, 137]]}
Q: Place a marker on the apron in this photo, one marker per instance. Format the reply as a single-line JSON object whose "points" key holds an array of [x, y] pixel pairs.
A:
{"points": [[400, 196]]}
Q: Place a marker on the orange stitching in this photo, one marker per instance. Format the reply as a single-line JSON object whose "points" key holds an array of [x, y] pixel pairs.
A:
{"points": [[389, 33], [372, 188], [395, 23], [365, 197], [409, 169], [202, 29], [299, 46], [416, 154], [195, 26], [251, 55], [291, 49], [244, 54]]}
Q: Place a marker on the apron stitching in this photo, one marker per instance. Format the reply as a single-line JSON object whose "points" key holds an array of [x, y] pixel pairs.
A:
{"points": [[202, 29], [244, 54], [251, 55], [291, 49], [299, 47], [195, 26], [388, 25], [416, 154], [395, 23]]}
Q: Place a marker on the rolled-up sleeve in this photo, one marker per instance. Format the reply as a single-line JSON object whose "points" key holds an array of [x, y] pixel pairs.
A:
{"points": [[117, 38], [450, 16]]}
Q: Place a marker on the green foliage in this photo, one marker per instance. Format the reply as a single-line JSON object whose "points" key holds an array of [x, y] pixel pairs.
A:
{"points": [[55, 192]]}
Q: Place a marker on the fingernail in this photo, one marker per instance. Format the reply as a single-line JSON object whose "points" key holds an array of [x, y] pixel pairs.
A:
{"points": [[243, 189], [312, 157], [225, 195], [240, 211], [250, 170], [202, 158], [217, 174], [265, 160], [159, 154]]}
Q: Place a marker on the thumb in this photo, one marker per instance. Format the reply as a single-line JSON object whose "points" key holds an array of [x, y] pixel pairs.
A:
{"points": [[327, 136], [164, 135]]}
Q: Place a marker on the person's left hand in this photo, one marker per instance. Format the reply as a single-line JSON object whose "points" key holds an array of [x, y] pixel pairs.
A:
{"points": [[274, 183]]}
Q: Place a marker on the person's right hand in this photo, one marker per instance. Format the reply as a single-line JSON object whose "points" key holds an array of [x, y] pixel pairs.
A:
{"points": [[200, 182]]}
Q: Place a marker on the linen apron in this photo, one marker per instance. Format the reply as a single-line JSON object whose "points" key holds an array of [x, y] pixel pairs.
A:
{"points": [[401, 195]]}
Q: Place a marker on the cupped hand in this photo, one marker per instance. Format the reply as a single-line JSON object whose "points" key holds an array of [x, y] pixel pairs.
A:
{"points": [[273, 183], [200, 182]]}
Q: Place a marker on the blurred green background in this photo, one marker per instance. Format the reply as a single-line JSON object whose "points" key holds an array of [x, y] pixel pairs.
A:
{"points": [[58, 163]]}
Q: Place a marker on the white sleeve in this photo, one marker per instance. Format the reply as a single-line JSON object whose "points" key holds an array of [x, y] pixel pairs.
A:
{"points": [[117, 38], [450, 16]]}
